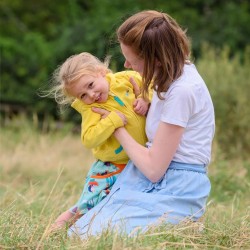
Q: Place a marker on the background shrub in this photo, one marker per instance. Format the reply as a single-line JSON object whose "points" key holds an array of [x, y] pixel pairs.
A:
{"points": [[227, 78]]}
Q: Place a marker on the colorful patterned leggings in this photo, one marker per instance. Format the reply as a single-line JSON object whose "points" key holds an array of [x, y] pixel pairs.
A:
{"points": [[99, 181]]}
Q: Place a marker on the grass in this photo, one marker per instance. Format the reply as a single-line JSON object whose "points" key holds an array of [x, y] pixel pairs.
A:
{"points": [[41, 175]]}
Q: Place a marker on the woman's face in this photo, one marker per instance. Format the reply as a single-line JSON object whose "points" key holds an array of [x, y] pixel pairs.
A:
{"points": [[132, 61]]}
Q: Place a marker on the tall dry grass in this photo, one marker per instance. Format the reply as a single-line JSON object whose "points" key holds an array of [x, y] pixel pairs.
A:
{"points": [[41, 175]]}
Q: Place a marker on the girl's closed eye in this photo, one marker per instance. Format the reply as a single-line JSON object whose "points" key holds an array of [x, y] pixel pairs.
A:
{"points": [[91, 85]]}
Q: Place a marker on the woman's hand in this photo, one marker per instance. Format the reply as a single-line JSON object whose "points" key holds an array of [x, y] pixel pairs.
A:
{"points": [[104, 113]]}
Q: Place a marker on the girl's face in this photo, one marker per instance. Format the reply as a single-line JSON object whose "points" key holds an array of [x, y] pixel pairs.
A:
{"points": [[132, 61], [91, 89]]}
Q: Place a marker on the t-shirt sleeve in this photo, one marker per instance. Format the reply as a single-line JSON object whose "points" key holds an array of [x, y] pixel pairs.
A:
{"points": [[178, 106]]}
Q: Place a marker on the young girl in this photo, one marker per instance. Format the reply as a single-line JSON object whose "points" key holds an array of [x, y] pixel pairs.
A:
{"points": [[86, 82], [167, 180]]}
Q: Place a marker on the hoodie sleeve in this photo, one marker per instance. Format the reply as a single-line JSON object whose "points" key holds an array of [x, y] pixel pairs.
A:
{"points": [[95, 130]]}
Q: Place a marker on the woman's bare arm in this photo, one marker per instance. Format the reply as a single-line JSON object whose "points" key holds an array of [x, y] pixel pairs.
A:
{"points": [[152, 162]]}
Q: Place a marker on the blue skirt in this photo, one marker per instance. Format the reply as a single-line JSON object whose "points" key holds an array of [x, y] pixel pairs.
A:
{"points": [[135, 203]]}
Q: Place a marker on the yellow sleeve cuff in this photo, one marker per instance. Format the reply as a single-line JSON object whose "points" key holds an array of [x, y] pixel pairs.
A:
{"points": [[116, 119]]}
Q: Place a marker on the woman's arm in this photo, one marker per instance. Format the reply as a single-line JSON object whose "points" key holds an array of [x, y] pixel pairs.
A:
{"points": [[152, 162]]}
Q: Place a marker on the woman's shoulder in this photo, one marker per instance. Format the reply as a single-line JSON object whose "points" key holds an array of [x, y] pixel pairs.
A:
{"points": [[189, 80]]}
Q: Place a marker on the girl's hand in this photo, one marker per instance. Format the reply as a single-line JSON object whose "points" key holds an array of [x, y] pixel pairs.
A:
{"points": [[141, 106], [104, 113], [136, 88]]}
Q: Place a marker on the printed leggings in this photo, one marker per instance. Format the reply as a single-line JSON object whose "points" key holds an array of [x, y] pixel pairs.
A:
{"points": [[99, 181]]}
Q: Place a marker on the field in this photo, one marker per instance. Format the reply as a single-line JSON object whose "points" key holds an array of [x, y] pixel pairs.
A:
{"points": [[41, 175]]}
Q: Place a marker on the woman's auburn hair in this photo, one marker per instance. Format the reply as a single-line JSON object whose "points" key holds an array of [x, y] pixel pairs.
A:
{"points": [[161, 43]]}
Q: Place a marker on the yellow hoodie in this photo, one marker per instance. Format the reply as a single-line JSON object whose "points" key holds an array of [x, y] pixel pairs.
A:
{"points": [[97, 133]]}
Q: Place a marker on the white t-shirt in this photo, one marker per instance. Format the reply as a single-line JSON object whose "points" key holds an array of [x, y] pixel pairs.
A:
{"points": [[188, 104]]}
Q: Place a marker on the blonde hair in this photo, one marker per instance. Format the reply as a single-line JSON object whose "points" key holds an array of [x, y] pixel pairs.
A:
{"points": [[161, 43], [72, 70]]}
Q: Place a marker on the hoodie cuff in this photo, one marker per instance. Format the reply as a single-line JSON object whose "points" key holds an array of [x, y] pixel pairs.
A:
{"points": [[115, 119]]}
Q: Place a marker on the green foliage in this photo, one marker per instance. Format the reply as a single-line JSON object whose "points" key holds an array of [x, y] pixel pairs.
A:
{"points": [[228, 82], [28, 70], [39, 35], [230, 179]]}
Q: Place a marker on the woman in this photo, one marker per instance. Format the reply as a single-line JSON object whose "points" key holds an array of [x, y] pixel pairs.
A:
{"points": [[166, 181]]}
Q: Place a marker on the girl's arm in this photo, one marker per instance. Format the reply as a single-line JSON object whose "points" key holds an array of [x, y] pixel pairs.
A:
{"points": [[96, 131], [152, 162]]}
